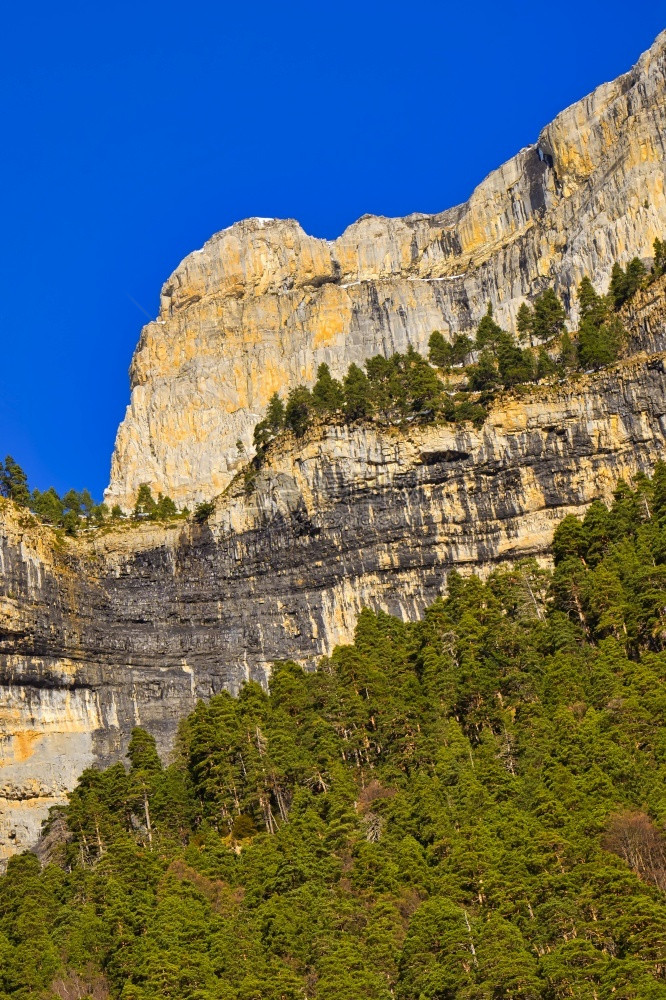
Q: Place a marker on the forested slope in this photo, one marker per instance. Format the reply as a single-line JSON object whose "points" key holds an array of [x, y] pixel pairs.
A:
{"points": [[470, 806]]}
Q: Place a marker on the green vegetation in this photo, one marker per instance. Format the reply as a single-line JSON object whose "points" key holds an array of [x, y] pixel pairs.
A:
{"points": [[203, 511], [459, 379], [625, 283], [501, 363], [600, 332], [544, 321], [395, 390], [470, 807], [75, 510], [71, 511], [147, 508], [14, 482]]}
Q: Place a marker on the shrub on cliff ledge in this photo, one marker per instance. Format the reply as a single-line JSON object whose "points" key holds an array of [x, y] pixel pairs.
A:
{"points": [[147, 508], [203, 511]]}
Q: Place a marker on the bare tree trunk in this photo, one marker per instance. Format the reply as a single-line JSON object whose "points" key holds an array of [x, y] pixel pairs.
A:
{"points": [[147, 815]]}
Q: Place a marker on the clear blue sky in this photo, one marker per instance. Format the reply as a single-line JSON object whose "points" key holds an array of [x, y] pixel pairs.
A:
{"points": [[133, 131]]}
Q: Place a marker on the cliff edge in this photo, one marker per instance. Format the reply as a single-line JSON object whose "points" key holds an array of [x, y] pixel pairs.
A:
{"points": [[263, 304]]}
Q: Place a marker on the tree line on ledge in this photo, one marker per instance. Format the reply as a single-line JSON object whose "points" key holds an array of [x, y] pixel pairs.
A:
{"points": [[468, 807], [398, 389], [76, 510], [408, 387]]}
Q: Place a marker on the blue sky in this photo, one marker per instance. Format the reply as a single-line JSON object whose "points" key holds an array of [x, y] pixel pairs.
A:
{"points": [[132, 132]]}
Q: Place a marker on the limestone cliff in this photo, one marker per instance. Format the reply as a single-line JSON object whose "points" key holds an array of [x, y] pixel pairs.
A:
{"points": [[131, 626], [262, 304]]}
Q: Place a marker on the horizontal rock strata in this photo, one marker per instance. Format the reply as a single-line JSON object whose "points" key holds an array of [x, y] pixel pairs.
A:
{"points": [[132, 626]]}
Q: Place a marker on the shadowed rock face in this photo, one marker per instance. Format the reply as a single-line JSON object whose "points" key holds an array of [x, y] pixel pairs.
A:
{"points": [[134, 625], [262, 304]]}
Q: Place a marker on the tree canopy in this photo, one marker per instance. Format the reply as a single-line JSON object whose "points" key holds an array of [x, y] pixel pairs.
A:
{"points": [[467, 806]]}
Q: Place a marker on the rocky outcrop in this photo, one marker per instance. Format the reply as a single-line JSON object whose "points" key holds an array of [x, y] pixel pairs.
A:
{"points": [[133, 625], [262, 304]]}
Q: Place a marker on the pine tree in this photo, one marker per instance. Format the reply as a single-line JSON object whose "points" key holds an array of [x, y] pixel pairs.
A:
{"points": [[271, 425], [275, 414], [591, 304], [165, 508], [327, 393], [358, 401], [624, 284], [525, 323], [424, 389], [72, 502], [618, 286], [87, 504], [298, 413], [145, 505], [145, 768], [439, 351], [600, 335], [594, 348], [203, 511], [545, 364], [483, 375], [14, 482], [659, 491], [515, 365], [461, 349], [488, 333], [549, 316], [47, 506], [568, 357], [635, 273]]}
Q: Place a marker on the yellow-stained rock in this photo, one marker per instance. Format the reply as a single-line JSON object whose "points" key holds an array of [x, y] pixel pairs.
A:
{"points": [[262, 304]]}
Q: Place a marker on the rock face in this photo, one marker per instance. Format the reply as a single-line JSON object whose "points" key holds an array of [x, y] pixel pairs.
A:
{"points": [[131, 626], [134, 625], [262, 304]]}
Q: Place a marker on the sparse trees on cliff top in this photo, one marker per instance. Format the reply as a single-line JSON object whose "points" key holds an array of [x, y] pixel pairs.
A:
{"points": [[70, 512], [75, 509]]}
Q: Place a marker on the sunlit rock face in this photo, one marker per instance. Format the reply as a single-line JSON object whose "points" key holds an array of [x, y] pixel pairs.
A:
{"points": [[262, 304]]}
